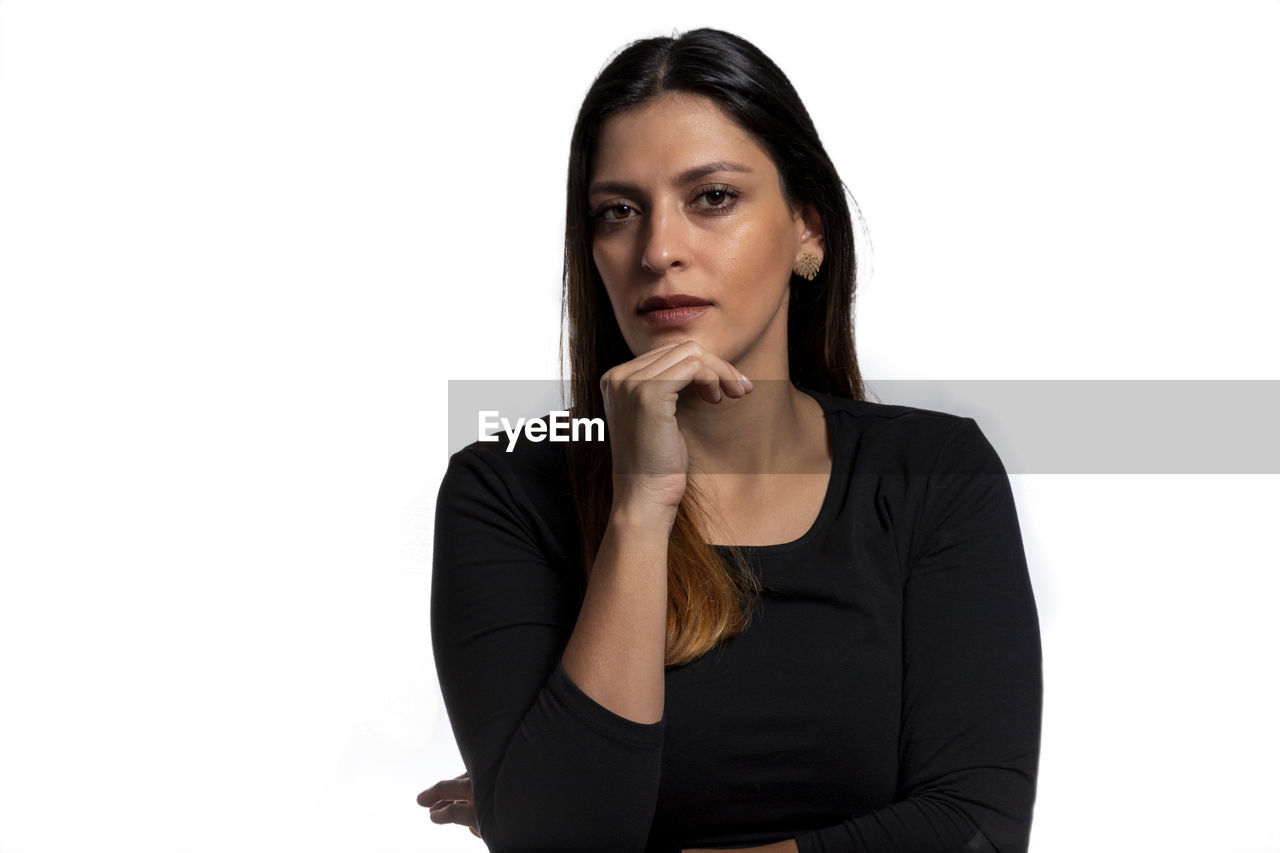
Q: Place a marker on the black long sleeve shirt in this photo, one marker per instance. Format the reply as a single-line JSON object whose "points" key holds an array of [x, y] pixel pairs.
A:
{"points": [[886, 697]]}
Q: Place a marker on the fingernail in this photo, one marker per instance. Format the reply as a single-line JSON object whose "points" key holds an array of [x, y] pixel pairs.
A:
{"points": [[748, 383]]}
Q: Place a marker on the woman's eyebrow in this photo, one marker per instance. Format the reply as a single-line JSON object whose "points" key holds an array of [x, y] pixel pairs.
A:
{"points": [[685, 177]]}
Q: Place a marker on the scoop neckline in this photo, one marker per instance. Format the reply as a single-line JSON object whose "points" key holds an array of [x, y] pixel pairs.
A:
{"points": [[828, 500]]}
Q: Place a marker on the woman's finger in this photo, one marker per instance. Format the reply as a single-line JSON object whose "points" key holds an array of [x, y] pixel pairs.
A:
{"points": [[722, 373], [460, 813], [647, 358], [458, 788], [621, 371], [697, 372]]}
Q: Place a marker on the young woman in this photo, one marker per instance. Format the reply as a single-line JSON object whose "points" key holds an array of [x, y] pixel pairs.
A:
{"points": [[766, 613]]}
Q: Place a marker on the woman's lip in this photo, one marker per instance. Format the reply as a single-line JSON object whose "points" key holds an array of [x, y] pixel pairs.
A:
{"points": [[668, 318]]}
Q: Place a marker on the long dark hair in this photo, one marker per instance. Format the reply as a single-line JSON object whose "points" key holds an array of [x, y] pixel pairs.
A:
{"points": [[708, 598]]}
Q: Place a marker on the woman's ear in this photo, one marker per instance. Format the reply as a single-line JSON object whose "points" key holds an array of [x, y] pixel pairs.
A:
{"points": [[808, 227]]}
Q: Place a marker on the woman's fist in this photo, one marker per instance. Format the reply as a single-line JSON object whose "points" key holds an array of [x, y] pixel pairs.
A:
{"points": [[450, 802], [650, 456]]}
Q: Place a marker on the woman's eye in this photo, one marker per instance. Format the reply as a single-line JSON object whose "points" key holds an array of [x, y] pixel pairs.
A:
{"points": [[718, 198], [603, 212]]}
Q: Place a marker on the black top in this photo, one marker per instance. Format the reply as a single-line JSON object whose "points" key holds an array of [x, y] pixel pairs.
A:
{"points": [[885, 697]]}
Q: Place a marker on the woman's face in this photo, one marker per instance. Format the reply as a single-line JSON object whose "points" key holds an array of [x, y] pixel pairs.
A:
{"points": [[684, 201]]}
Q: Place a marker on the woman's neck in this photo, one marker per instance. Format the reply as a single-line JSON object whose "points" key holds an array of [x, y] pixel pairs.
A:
{"points": [[769, 431]]}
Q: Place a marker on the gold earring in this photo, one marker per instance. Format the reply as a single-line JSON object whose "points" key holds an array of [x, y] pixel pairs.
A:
{"points": [[808, 265]]}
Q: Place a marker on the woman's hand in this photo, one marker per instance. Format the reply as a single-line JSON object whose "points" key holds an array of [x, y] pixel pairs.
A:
{"points": [[450, 802], [650, 457]]}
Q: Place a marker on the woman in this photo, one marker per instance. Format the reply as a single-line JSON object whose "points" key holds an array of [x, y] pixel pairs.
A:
{"points": [[657, 642]]}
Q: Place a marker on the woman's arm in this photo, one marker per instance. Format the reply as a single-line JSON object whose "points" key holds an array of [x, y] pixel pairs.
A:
{"points": [[972, 683], [551, 767], [618, 649]]}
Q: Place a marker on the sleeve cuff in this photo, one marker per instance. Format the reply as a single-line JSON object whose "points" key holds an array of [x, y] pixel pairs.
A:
{"points": [[644, 736], [807, 842]]}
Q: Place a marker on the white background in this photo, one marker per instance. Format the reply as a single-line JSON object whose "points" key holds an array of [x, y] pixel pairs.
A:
{"points": [[244, 245]]}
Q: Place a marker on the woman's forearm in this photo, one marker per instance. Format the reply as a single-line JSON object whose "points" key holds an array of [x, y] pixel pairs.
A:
{"points": [[616, 653]]}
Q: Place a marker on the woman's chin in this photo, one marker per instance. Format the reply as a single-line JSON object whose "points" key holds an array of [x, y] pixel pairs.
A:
{"points": [[677, 336]]}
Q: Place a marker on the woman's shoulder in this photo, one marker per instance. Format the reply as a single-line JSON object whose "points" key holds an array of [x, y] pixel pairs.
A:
{"points": [[904, 438], [520, 480], [533, 453]]}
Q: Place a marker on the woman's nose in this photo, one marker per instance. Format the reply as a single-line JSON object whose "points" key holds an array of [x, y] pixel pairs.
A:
{"points": [[665, 239]]}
